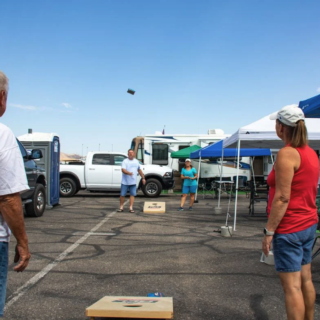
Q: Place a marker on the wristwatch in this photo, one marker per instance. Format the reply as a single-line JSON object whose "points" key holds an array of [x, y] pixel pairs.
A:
{"points": [[268, 233]]}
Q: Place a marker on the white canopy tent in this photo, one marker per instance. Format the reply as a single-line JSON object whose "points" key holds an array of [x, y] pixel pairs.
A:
{"points": [[262, 134]]}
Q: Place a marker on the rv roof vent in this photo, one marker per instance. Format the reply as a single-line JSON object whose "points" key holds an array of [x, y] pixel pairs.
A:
{"points": [[216, 132]]}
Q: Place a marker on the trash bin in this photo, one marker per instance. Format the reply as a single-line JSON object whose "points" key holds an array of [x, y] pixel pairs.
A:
{"points": [[49, 144]]}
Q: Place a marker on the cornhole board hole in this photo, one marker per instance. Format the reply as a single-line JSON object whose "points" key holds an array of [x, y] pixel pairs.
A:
{"points": [[131, 308], [154, 207]]}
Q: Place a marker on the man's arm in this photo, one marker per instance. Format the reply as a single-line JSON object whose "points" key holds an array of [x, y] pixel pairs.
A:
{"points": [[142, 176], [12, 212], [126, 172]]}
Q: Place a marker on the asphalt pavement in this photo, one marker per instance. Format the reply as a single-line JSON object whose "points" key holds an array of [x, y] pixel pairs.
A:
{"points": [[83, 250]]}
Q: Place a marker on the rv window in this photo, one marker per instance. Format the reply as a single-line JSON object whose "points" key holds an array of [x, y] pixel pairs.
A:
{"points": [[118, 159], [160, 154], [101, 159], [140, 152]]}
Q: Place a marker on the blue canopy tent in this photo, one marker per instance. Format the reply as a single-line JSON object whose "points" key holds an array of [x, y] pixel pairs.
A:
{"points": [[311, 107], [217, 151]]}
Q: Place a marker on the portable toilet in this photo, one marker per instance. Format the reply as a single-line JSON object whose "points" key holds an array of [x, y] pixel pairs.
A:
{"points": [[49, 144]]}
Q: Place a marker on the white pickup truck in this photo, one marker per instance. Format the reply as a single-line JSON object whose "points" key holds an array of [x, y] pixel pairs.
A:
{"points": [[102, 172]]}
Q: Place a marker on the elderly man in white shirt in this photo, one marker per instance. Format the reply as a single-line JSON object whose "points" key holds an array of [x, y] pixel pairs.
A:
{"points": [[12, 181]]}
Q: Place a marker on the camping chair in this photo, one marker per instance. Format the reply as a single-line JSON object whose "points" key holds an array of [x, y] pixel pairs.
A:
{"points": [[317, 235], [207, 187], [258, 194]]}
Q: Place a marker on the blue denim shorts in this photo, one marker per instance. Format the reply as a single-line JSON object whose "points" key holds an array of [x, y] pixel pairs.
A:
{"points": [[132, 189], [187, 189], [3, 274], [292, 250]]}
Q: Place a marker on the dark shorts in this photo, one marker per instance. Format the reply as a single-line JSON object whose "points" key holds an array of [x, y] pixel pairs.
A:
{"points": [[3, 274], [132, 189], [293, 250], [189, 189]]}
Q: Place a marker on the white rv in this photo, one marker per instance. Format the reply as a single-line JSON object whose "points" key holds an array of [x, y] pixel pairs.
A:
{"points": [[157, 149]]}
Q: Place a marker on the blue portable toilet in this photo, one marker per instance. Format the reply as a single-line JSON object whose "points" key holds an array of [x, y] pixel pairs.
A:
{"points": [[49, 144]]}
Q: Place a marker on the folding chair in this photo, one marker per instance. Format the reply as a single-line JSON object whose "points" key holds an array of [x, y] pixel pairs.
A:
{"points": [[317, 235], [207, 188], [315, 240]]}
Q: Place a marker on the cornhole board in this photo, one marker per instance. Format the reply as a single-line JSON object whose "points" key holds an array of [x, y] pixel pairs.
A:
{"points": [[132, 308], [154, 207]]}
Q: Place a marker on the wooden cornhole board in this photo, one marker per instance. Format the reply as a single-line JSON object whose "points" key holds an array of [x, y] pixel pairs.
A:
{"points": [[132, 308], [154, 207]]}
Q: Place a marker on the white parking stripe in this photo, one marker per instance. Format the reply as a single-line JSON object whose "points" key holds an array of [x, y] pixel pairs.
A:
{"points": [[23, 289]]}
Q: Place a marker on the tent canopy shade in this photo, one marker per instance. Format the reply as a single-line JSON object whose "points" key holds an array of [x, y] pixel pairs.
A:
{"points": [[311, 107], [262, 134], [185, 153], [215, 151]]}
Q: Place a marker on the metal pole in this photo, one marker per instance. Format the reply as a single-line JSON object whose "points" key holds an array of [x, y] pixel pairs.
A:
{"points": [[222, 155], [199, 166], [254, 179], [237, 184]]}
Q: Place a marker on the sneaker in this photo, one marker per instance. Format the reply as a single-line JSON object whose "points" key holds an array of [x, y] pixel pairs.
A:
{"points": [[180, 209], [190, 208]]}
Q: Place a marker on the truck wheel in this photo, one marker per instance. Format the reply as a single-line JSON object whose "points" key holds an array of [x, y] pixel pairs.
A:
{"points": [[38, 204], [152, 188], [67, 187]]}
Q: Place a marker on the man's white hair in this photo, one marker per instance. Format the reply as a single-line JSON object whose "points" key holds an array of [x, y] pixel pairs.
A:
{"points": [[4, 82]]}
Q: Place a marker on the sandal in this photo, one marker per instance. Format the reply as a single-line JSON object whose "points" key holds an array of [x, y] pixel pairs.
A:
{"points": [[120, 210], [131, 211]]}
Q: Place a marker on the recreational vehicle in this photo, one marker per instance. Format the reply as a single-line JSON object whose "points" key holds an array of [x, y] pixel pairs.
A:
{"points": [[157, 149]]}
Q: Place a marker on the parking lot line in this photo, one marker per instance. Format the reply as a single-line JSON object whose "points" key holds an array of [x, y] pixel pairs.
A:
{"points": [[23, 289]]}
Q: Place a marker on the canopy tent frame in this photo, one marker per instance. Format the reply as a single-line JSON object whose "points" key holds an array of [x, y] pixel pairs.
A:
{"points": [[216, 150], [262, 132]]}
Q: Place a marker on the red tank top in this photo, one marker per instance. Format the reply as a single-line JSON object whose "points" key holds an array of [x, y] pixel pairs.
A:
{"points": [[302, 210]]}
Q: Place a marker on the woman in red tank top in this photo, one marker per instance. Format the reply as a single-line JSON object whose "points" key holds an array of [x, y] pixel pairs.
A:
{"points": [[292, 213]]}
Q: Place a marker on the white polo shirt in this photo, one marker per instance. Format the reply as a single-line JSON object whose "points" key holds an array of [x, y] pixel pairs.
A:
{"points": [[12, 173]]}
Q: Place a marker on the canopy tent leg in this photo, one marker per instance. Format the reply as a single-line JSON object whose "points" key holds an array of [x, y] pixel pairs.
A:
{"points": [[199, 166], [220, 177], [253, 177], [237, 184]]}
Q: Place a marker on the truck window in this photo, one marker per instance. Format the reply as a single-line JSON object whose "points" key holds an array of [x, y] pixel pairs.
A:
{"points": [[160, 154], [101, 159], [118, 159]]}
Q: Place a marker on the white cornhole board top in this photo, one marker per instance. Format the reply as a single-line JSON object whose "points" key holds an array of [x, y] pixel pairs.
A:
{"points": [[154, 207], [132, 307]]}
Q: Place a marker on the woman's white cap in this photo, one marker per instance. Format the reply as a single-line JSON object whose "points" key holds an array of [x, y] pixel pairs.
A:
{"points": [[289, 115], [187, 160]]}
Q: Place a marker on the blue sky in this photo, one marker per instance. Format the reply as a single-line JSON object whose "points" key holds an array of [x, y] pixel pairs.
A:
{"points": [[195, 65]]}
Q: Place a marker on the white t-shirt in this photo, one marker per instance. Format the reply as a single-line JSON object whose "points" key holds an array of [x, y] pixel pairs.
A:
{"points": [[131, 166], [12, 173]]}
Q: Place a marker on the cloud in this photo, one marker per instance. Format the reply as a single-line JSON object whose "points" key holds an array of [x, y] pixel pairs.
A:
{"points": [[66, 105], [20, 106], [318, 90]]}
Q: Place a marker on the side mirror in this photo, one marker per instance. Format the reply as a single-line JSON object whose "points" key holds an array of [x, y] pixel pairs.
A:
{"points": [[35, 154]]}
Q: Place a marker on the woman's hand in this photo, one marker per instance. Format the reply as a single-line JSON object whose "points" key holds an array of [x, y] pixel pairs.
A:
{"points": [[266, 244]]}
